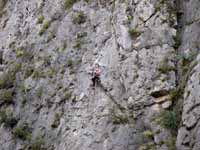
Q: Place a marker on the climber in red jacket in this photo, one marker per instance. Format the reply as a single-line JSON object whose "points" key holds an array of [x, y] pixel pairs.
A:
{"points": [[95, 75]]}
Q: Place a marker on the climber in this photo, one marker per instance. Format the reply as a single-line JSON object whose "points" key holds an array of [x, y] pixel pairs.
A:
{"points": [[95, 75]]}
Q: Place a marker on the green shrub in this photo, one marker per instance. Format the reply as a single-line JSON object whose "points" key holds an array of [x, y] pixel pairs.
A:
{"points": [[177, 42], [119, 118], [134, 33], [175, 94], [7, 80], [6, 96], [40, 19], [3, 117], [78, 44], [23, 54], [39, 92], [69, 63], [69, 3], [19, 52], [168, 119], [147, 146], [79, 18], [67, 95], [28, 71], [16, 67], [165, 68], [51, 72], [171, 143], [186, 61], [8, 120], [22, 132], [45, 26], [38, 73], [148, 134], [38, 144]]}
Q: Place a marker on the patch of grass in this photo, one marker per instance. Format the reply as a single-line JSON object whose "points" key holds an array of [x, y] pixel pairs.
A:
{"points": [[67, 95], [19, 52], [16, 67], [134, 33], [147, 146], [45, 26], [62, 49], [148, 134], [50, 36], [171, 143], [56, 121], [22, 132], [38, 73], [119, 118], [8, 120], [28, 71], [70, 63], [177, 42], [186, 60], [79, 18], [164, 66], [168, 120], [23, 54], [78, 44], [51, 72], [81, 35], [40, 19], [38, 144], [130, 17], [39, 92], [6, 96], [7, 80], [175, 94], [69, 3]]}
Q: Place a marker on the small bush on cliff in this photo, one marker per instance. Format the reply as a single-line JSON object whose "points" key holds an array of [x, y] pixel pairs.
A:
{"points": [[168, 120], [40, 19], [148, 134], [45, 26], [119, 118], [22, 132], [134, 33], [7, 80], [69, 3], [79, 18], [175, 94], [6, 96], [164, 66], [38, 144], [8, 120]]}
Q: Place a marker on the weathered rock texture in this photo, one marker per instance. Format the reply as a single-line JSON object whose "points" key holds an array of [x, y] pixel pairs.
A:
{"points": [[48, 47], [188, 134]]}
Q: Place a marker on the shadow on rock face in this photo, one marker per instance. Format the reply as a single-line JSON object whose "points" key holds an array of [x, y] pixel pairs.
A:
{"points": [[159, 93]]}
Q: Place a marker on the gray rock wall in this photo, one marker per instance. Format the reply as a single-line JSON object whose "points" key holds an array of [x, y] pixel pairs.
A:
{"points": [[48, 48], [188, 134]]}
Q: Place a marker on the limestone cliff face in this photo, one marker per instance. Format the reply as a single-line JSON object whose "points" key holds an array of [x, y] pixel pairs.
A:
{"points": [[188, 133], [148, 96]]}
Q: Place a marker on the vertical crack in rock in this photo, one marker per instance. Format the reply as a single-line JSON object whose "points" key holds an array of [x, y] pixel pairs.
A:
{"points": [[188, 72]]}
